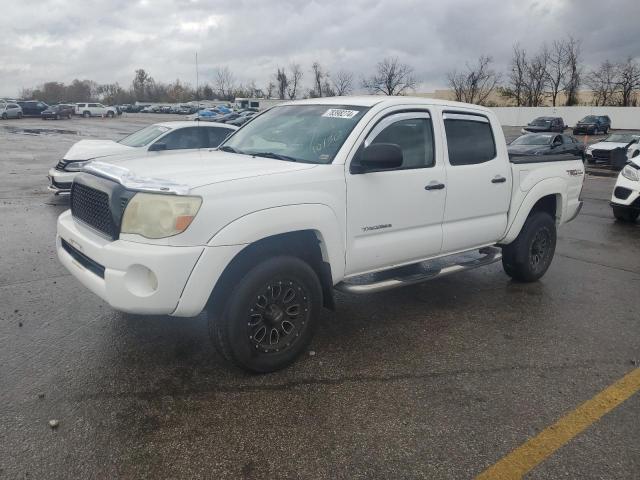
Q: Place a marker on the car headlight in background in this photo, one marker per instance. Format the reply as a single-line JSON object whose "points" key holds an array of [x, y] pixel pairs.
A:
{"points": [[631, 173], [76, 166], [158, 216], [635, 154]]}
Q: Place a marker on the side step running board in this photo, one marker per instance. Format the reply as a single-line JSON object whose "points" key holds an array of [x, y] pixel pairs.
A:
{"points": [[489, 255]]}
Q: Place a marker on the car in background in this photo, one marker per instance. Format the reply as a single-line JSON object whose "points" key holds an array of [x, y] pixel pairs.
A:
{"points": [[32, 108], [57, 112], [95, 110], [242, 119], [10, 110], [625, 201], [593, 124], [616, 143], [149, 141], [545, 124], [228, 117], [545, 144]]}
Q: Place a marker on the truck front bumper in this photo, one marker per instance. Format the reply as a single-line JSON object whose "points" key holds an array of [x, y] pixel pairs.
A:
{"points": [[60, 181], [141, 278]]}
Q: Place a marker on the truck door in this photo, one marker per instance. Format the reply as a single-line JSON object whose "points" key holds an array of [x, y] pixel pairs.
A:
{"points": [[395, 216], [478, 183]]}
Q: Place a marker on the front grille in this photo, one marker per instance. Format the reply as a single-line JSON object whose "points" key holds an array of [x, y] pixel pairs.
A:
{"points": [[604, 155], [622, 193], [60, 165], [82, 259], [91, 206]]}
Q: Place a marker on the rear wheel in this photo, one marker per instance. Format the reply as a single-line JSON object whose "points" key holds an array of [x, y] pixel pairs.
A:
{"points": [[86, 114], [268, 319], [19, 114], [528, 257], [110, 114], [625, 215], [4, 116]]}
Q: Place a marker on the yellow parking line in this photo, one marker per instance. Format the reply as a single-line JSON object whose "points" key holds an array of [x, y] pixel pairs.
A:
{"points": [[537, 449]]}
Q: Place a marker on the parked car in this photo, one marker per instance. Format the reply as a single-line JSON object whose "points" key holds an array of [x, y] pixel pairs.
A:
{"points": [[602, 151], [307, 197], [625, 201], [228, 117], [545, 144], [10, 110], [149, 141], [545, 124], [57, 112], [593, 124], [95, 110], [32, 108], [242, 119]]}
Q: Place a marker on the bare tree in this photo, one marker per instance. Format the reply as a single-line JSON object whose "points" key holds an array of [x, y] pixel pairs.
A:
{"points": [[270, 89], [476, 83], [318, 80], [627, 81], [224, 83], [603, 83], [282, 83], [557, 69], [516, 79], [294, 80], [574, 71], [391, 78], [536, 79], [342, 83]]}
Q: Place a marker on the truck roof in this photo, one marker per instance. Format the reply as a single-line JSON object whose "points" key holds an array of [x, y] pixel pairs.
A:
{"points": [[383, 100]]}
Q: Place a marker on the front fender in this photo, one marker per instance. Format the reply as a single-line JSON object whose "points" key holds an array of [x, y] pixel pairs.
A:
{"points": [[550, 186], [265, 223]]}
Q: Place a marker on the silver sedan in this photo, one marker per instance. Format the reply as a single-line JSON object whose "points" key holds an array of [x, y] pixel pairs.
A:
{"points": [[10, 110]]}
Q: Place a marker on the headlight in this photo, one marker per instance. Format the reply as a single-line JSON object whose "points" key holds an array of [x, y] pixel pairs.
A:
{"points": [[630, 173], [76, 166], [589, 149], [635, 154], [158, 216]]}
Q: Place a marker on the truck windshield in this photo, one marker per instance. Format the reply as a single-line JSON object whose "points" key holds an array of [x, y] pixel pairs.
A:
{"points": [[143, 137], [303, 133]]}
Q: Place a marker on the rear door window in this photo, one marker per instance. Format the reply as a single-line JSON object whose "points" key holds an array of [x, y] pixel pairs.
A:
{"points": [[213, 136], [469, 138]]}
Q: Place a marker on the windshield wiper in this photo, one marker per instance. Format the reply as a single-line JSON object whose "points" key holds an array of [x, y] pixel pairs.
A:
{"points": [[226, 148], [277, 156]]}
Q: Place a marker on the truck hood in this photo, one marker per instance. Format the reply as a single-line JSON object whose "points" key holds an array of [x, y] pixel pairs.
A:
{"points": [[90, 149], [181, 172], [607, 145]]}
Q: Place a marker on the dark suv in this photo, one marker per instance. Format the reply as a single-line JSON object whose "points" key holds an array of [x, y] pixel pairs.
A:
{"points": [[58, 111], [32, 108], [545, 124], [592, 124]]}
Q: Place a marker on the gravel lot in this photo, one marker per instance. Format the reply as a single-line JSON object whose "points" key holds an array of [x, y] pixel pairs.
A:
{"points": [[438, 380]]}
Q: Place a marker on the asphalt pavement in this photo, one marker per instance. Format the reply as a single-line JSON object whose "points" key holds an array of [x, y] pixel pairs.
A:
{"points": [[438, 380]]}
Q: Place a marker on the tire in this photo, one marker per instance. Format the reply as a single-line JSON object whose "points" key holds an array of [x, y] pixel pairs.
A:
{"points": [[19, 115], [57, 117], [528, 257], [4, 116], [625, 215], [109, 114], [86, 114], [281, 295]]}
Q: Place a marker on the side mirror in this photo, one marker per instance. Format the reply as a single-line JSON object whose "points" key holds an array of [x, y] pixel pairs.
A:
{"points": [[378, 156], [156, 147]]}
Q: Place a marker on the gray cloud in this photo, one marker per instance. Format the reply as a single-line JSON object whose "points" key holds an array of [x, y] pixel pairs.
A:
{"points": [[106, 40]]}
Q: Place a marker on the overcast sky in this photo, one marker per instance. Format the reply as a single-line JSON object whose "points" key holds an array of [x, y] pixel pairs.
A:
{"points": [[106, 40]]}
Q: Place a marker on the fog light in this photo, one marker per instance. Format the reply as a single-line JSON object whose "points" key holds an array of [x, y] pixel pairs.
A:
{"points": [[140, 281]]}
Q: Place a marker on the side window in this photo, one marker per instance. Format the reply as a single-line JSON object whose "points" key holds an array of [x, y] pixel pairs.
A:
{"points": [[557, 140], [91, 105], [214, 136], [182, 139], [469, 139], [414, 136]]}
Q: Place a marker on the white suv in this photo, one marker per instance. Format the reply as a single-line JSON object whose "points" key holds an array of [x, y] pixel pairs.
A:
{"points": [[95, 110]]}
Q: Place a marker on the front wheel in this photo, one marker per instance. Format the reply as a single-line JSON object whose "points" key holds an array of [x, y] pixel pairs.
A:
{"points": [[4, 116], [109, 114], [528, 257], [625, 215], [268, 319]]}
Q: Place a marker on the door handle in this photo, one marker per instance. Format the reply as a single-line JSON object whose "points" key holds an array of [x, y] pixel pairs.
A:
{"points": [[498, 179], [434, 186]]}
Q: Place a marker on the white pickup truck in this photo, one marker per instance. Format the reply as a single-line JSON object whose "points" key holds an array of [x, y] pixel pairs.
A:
{"points": [[358, 194]]}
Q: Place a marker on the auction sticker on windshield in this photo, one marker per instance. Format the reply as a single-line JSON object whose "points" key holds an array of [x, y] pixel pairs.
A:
{"points": [[340, 113]]}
